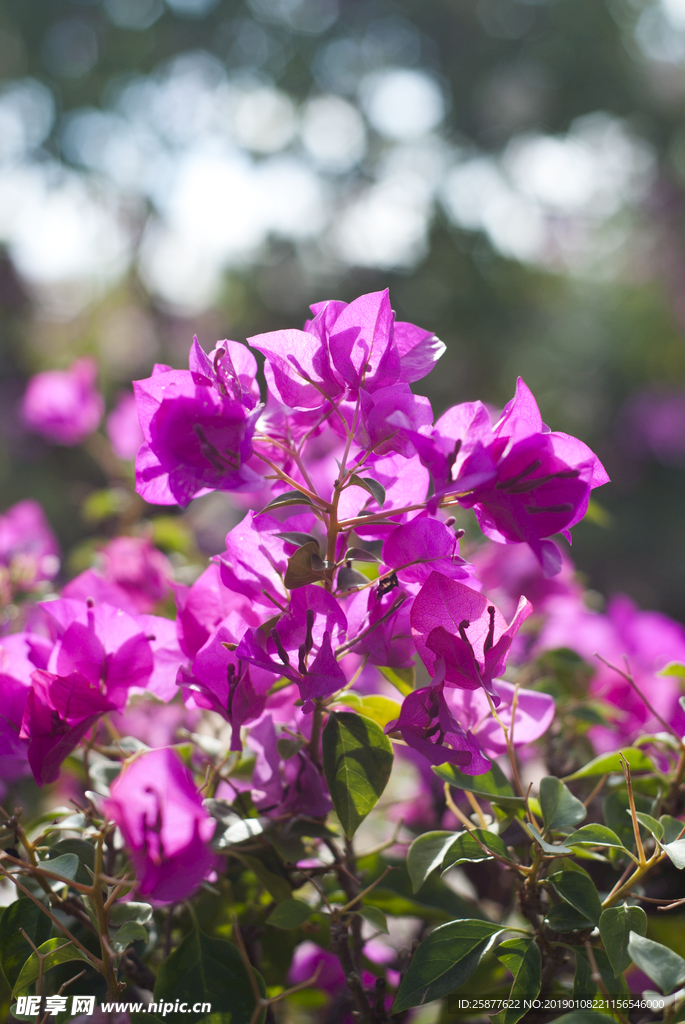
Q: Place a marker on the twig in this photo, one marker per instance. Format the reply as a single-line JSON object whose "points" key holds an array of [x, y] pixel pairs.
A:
{"points": [[598, 788], [322, 505], [629, 679], [633, 811], [477, 808], [365, 632], [72, 938], [60, 990], [459, 815], [39, 870], [599, 981], [384, 845], [363, 893], [252, 977]]}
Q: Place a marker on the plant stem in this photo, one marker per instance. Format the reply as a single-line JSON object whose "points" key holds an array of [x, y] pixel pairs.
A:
{"points": [[63, 928], [103, 923], [315, 741]]}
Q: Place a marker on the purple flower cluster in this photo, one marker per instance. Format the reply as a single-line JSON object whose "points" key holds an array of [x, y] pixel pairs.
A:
{"points": [[346, 564]]}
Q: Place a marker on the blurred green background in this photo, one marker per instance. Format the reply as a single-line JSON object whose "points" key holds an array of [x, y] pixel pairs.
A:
{"points": [[512, 169]]}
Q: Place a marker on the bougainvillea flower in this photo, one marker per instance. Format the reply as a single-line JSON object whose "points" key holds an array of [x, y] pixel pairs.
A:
{"points": [[110, 648], [290, 786], [202, 606], [361, 343], [220, 682], [508, 571], [255, 560], [389, 417], [419, 351], [427, 724], [59, 712], [64, 405], [196, 439], [422, 546], [91, 585], [156, 805], [346, 345], [28, 547], [460, 632], [137, 573], [649, 640], [167, 656], [297, 368], [455, 450], [405, 482], [543, 484], [300, 646], [15, 682], [309, 959], [533, 716], [230, 367], [123, 426], [386, 634], [235, 699]]}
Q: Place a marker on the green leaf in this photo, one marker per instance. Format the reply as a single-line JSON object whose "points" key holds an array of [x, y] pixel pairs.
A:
{"points": [[85, 852], [295, 537], [676, 853], [349, 578], [287, 747], [57, 951], [121, 913], [381, 709], [128, 934], [674, 668], [594, 835], [661, 964], [578, 889], [404, 679], [360, 555], [299, 572], [615, 926], [444, 961], [563, 918], [14, 949], [522, 957], [585, 986], [650, 823], [615, 806], [373, 487], [357, 761], [276, 885], [553, 850], [560, 808], [102, 775], [467, 848], [493, 786], [100, 505], [376, 918], [66, 865], [208, 969], [425, 854], [604, 764], [289, 914], [287, 498], [672, 828]]}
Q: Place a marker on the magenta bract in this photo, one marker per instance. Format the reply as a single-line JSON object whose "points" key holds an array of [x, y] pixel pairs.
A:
{"points": [[64, 405], [167, 830]]}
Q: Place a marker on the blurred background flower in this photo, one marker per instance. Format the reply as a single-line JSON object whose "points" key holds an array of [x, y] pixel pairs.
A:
{"points": [[512, 169]]}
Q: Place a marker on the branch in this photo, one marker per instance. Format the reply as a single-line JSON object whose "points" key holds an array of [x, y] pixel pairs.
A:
{"points": [[72, 938]]}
